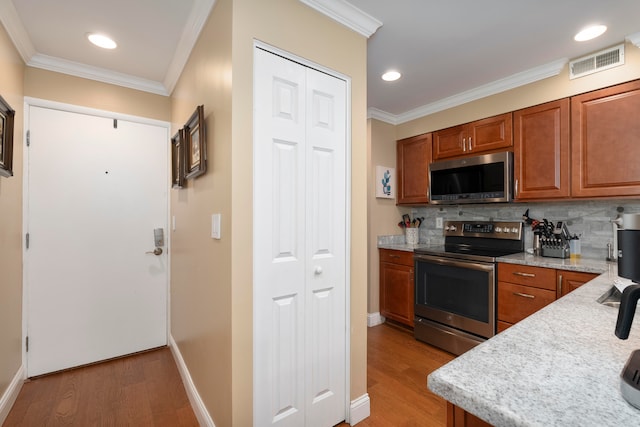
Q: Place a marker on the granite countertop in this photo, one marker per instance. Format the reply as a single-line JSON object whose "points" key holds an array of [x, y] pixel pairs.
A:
{"points": [[559, 366]]}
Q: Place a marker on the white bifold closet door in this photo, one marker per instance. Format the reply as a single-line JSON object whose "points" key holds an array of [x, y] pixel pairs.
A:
{"points": [[299, 247]]}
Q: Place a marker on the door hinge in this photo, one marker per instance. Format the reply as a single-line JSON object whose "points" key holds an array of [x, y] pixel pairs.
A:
{"points": [[26, 240], [28, 138], [26, 343]]}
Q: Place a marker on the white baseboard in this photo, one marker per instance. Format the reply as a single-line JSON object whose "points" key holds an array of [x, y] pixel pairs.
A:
{"points": [[360, 409], [11, 394], [374, 319], [204, 419]]}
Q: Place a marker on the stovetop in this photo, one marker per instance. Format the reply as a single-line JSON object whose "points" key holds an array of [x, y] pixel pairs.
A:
{"points": [[478, 240]]}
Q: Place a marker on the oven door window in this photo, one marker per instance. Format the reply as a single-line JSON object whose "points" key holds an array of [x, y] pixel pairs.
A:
{"points": [[455, 289]]}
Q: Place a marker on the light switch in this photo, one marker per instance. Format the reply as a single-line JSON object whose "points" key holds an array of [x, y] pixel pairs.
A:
{"points": [[215, 226], [438, 222]]}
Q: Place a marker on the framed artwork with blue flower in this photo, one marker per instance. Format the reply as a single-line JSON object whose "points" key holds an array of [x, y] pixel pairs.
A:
{"points": [[385, 182]]}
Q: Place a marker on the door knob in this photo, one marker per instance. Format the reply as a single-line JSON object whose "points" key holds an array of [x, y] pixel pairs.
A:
{"points": [[156, 251], [318, 270]]}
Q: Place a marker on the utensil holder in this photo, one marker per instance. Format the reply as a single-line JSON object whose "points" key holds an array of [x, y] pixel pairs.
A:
{"points": [[412, 236]]}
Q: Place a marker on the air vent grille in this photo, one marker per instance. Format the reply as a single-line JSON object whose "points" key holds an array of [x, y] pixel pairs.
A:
{"points": [[596, 62]]}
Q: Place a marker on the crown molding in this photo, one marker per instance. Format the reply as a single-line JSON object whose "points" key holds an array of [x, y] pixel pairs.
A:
{"points": [[346, 14], [16, 31], [20, 38], [634, 38], [197, 18], [516, 80], [95, 73], [383, 116]]}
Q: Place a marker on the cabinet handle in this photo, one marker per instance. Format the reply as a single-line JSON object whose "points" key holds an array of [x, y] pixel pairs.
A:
{"points": [[464, 145], [394, 256], [516, 189], [520, 294], [517, 273], [559, 286], [470, 143]]}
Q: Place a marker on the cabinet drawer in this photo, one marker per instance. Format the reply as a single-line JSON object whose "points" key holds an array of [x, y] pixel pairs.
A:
{"points": [[396, 257], [515, 302], [539, 277]]}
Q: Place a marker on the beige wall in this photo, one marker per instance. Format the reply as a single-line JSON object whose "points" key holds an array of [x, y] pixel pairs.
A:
{"points": [[72, 90], [201, 283], [383, 215], [211, 279], [11, 87]]}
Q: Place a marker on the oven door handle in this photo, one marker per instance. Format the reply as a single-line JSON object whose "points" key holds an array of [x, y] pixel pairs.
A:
{"points": [[474, 265]]}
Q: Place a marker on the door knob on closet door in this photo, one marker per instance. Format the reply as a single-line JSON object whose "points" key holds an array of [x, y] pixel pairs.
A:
{"points": [[317, 270]]}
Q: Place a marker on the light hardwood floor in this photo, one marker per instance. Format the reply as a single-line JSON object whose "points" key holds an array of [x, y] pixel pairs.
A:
{"points": [[397, 369], [140, 390], [146, 389]]}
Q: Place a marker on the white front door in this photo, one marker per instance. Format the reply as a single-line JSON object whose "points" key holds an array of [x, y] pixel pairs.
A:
{"points": [[96, 191], [300, 240]]}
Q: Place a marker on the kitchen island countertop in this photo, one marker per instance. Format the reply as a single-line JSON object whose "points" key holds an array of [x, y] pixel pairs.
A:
{"points": [[560, 366]]}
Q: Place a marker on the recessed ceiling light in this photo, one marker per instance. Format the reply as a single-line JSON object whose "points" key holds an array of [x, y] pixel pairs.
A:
{"points": [[590, 33], [391, 76], [102, 41]]}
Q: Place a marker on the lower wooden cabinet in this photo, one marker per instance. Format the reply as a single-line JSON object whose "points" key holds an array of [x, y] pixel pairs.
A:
{"points": [[396, 286], [458, 417], [524, 289], [571, 280]]}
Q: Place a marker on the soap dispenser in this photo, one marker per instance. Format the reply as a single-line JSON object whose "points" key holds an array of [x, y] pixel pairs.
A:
{"points": [[630, 383]]}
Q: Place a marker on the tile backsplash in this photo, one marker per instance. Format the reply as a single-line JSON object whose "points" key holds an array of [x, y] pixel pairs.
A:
{"points": [[591, 220]]}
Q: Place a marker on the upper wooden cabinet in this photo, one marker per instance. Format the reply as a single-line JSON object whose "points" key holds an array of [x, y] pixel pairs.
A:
{"points": [[476, 137], [605, 142], [541, 151], [412, 161]]}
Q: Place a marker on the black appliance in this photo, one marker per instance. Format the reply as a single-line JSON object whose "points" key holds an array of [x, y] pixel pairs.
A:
{"points": [[455, 284], [629, 267], [480, 179]]}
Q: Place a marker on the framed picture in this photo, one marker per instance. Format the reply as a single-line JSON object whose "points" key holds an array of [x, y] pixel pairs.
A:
{"points": [[6, 138], [385, 182], [177, 159], [195, 145]]}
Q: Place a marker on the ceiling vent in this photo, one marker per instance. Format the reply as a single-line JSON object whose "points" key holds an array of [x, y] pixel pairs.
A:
{"points": [[597, 62]]}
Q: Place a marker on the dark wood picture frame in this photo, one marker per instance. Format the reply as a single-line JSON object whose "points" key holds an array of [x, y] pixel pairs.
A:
{"points": [[177, 159], [7, 115], [195, 152]]}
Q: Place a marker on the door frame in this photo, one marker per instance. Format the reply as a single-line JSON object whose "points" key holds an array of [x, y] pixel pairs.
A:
{"points": [[310, 64], [78, 109]]}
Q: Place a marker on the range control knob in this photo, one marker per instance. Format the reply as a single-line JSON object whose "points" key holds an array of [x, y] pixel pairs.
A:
{"points": [[498, 229], [451, 228], [514, 229]]}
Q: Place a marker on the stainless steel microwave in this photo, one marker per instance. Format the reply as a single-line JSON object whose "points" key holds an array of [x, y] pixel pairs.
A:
{"points": [[487, 178]]}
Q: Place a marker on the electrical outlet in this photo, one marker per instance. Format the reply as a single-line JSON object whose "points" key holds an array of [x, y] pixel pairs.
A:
{"points": [[438, 222]]}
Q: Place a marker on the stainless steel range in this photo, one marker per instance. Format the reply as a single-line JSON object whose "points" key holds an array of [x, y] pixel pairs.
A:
{"points": [[455, 284]]}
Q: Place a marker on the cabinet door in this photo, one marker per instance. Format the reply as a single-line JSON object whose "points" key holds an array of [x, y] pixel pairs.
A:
{"points": [[396, 292], [490, 134], [412, 161], [541, 151], [515, 302], [605, 142], [449, 142], [569, 281]]}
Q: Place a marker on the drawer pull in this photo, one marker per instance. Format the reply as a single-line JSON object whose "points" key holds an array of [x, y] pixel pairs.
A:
{"points": [[394, 256], [517, 273], [520, 294]]}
